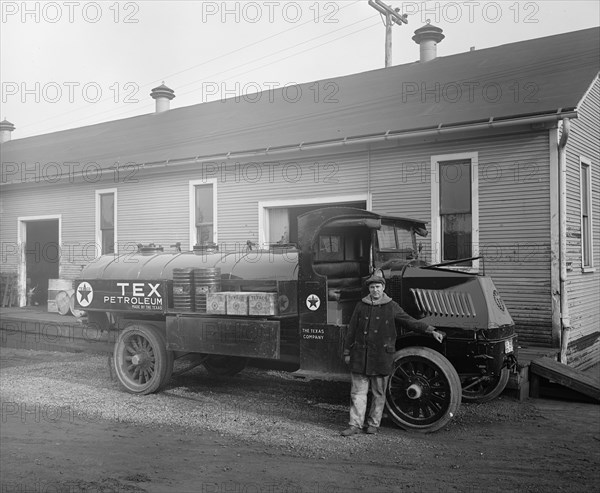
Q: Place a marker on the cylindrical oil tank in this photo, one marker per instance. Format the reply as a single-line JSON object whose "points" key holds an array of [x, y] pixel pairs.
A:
{"points": [[207, 280], [183, 289], [280, 265]]}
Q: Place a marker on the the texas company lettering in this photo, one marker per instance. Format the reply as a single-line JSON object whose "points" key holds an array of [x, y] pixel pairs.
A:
{"points": [[140, 295]]}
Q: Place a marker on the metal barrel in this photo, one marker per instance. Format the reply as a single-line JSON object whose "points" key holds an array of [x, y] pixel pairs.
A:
{"points": [[205, 281], [183, 289]]}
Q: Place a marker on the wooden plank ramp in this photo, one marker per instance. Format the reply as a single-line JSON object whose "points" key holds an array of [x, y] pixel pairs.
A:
{"points": [[563, 375]]}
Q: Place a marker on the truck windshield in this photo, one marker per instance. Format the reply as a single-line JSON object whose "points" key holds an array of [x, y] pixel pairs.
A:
{"points": [[392, 238]]}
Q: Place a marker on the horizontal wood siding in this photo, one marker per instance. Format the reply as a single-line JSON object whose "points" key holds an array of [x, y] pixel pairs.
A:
{"points": [[514, 214], [304, 178], [584, 287], [153, 206], [74, 202]]}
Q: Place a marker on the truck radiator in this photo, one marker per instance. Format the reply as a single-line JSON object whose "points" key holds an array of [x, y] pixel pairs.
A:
{"points": [[443, 303]]}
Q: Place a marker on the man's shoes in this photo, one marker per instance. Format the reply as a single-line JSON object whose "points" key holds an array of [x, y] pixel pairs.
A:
{"points": [[352, 430], [371, 430]]}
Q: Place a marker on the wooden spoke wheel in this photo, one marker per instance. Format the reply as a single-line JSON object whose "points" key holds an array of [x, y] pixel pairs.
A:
{"points": [[225, 366], [424, 391], [480, 389], [142, 362]]}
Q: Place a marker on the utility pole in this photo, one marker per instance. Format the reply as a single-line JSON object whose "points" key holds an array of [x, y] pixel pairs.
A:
{"points": [[391, 17]]}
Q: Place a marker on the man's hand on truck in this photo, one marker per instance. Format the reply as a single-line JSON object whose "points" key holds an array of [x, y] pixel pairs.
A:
{"points": [[437, 334]]}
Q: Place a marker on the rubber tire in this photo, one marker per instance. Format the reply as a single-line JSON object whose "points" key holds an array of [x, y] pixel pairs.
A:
{"points": [[421, 364], [225, 366], [159, 363], [490, 392]]}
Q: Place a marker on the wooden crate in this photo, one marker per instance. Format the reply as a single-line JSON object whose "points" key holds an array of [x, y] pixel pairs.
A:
{"points": [[216, 303], [262, 304], [237, 303]]}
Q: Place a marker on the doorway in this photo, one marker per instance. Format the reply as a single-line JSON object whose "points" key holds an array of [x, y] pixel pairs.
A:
{"points": [[39, 238], [278, 220]]}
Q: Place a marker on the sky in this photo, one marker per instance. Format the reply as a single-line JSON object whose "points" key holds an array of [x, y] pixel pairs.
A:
{"points": [[66, 64]]}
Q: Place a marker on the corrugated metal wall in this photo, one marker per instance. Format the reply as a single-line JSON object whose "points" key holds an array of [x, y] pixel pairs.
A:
{"points": [[584, 287], [514, 214]]}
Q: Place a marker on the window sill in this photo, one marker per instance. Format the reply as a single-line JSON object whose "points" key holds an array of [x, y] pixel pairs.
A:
{"points": [[585, 270]]}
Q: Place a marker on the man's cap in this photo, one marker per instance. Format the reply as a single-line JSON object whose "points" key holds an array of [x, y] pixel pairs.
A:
{"points": [[375, 278]]}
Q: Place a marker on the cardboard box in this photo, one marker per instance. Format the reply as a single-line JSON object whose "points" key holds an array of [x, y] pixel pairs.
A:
{"points": [[237, 303], [216, 303], [262, 304]]}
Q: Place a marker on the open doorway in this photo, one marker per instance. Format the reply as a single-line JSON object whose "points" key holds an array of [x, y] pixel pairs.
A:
{"points": [[280, 218], [40, 243]]}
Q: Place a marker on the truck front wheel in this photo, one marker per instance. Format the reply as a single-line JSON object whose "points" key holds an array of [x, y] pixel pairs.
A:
{"points": [[423, 392], [142, 362]]}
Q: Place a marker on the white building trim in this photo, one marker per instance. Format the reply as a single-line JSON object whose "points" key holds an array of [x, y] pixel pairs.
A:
{"points": [[192, 209], [436, 233], [97, 231], [264, 206], [21, 243]]}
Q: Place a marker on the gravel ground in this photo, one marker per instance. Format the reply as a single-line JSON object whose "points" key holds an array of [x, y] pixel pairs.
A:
{"points": [[68, 427], [297, 416]]}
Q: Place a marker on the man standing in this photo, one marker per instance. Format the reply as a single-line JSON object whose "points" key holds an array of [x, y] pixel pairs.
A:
{"points": [[369, 350]]}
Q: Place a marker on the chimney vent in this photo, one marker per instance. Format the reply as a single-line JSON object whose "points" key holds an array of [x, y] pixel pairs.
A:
{"points": [[163, 95], [5, 130], [427, 37]]}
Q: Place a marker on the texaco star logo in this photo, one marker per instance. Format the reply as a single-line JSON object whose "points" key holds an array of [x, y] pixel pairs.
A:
{"points": [[85, 294], [313, 302]]}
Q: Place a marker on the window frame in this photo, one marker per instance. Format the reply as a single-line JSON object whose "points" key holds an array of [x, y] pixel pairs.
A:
{"points": [[192, 209], [586, 163], [98, 229], [436, 222]]}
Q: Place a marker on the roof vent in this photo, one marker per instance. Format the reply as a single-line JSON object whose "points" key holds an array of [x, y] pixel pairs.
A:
{"points": [[5, 130], [427, 37], [163, 95]]}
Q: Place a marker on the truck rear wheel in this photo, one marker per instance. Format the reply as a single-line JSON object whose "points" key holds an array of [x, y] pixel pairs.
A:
{"points": [[142, 362], [423, 392], [225, 366], [484, 389]]}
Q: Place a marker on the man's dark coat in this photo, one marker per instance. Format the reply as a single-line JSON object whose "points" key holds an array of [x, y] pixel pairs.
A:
{"points": [[371, 337]]}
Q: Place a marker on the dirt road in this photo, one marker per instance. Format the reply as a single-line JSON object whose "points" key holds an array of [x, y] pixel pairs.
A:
{"points": [[66, 427]]}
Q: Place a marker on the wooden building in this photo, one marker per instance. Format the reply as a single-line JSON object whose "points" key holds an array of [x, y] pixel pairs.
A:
{"points": [[497, 149]]}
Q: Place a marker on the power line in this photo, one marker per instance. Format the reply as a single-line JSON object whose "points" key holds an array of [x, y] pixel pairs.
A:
{"points": [[218, 57]]}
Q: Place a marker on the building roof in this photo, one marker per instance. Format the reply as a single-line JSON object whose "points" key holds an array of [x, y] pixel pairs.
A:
{"points": [[534, 77]]}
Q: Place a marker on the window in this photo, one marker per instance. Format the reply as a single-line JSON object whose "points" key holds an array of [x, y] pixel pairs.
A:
{"points": [[106, 227], [205, 232], [455, 208], [585, 183], [394, 238], [386, 237], [203, 205]]}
